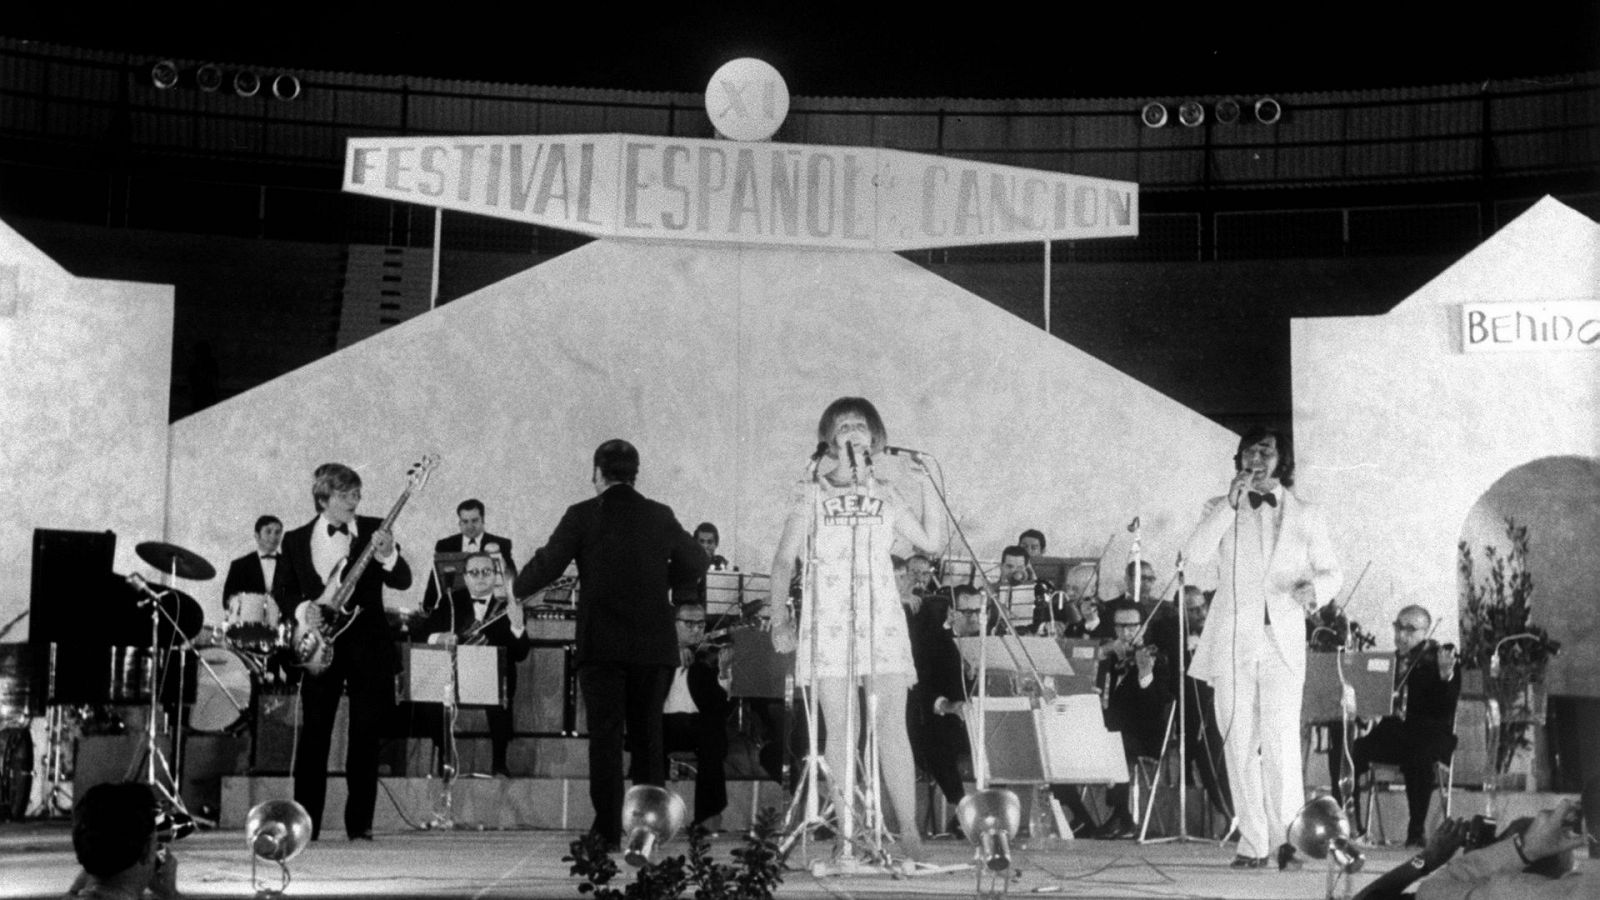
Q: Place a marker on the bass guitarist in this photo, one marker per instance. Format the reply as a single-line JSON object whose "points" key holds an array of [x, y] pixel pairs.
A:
{"points": [[364, 661]]}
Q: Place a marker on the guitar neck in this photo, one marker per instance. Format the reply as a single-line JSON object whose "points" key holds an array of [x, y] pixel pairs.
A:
{"points": [[353, 574]]}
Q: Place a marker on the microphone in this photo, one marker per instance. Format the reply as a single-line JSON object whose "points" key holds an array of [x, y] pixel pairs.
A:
{"points": [[907, 451], [851, 450], [1134, 525], [150, 596]]}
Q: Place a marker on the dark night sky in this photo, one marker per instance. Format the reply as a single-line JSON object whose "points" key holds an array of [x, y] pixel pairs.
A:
{"points": [[987, 50]]}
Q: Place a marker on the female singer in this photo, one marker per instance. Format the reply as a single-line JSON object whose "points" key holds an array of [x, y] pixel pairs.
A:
{"points": [[844, 518]]}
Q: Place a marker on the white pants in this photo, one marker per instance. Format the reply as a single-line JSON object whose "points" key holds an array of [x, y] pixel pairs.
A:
{"points": [[1258, 712]]}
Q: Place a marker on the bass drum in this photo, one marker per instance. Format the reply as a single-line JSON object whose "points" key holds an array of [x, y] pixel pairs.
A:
{"points": [[223, 691]]}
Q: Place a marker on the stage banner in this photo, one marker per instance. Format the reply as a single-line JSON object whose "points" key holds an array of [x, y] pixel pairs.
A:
{"points": [[684, 189]]}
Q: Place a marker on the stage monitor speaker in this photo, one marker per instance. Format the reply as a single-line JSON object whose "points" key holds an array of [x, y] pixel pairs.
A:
{"points": [[68, 585]]}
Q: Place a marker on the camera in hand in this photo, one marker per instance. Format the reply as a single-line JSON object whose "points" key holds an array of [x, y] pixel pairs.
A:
{"points": [[1480, 832]]}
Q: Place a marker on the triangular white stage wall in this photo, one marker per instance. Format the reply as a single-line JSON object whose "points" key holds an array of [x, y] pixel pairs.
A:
{"points": [[1401, 433], [83, 412], [716, 363]]}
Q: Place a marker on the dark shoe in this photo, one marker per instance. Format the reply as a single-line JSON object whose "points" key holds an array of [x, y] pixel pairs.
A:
{"points": [[502, 772], [1287, 858], [361, 836], [1415, 842], [1248, 862], [1117, 828], [953, 828]]}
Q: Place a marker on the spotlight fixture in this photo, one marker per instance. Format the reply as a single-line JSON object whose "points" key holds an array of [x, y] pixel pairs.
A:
{"points": [[1321, 830], [1191, 113], [1154, 115], [1268, 111], [275, 831], [990, 819], [285, 87], [164, 74], [1227, 111], [208, 78], [246, 83], [650, 815]]}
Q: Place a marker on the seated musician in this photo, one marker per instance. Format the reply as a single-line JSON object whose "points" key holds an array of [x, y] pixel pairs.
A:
{"points": [[1421, 733], [1032, 541], [1202, 737], [709, 538], [695, 715], [1136, 689], [1074, 610], [1149, 601], [480, 612], [933, 720], [471, 537]]}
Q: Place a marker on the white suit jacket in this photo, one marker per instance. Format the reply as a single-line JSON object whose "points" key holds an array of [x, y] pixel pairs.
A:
{"points": [[1302, 552]]}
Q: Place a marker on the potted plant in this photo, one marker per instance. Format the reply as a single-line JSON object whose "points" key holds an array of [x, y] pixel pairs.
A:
{"points": [[1502, 647]]}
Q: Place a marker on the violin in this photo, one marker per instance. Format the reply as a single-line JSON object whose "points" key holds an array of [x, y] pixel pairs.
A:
{"points": [[1328, 629]]}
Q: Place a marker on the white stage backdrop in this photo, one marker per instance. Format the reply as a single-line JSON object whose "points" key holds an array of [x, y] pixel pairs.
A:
{"points": [[716, 363], [83, 411], [1403, 433]]}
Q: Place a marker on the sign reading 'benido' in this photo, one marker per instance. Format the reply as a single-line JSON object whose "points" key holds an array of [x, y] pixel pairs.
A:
{"points": [[621, 185], [1572, 325]]}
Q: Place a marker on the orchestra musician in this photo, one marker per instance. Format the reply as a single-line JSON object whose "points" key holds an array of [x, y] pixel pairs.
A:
{"points": [[364, 661], [482, 613], [1202, 737], [933, 720], [257, 572], [1074, 612], [471, 538], [695, 715], [1421, 733], [709, 538], [1032, 542], [1136, 690], [1276, 564]]}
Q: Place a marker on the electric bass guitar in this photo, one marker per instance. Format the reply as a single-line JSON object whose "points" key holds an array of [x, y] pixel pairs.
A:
{"points": [[318, 623]]}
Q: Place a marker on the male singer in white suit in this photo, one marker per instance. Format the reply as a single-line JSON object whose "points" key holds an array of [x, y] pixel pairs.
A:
{"points": [[1275, 564]]}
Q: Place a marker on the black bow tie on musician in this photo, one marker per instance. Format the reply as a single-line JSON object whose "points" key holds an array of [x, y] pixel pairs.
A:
{"points": [[337, 529], [1256, 476], [1256, 499]]}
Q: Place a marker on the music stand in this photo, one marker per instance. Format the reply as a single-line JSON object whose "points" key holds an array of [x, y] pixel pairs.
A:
{"points": [[447, 573]]}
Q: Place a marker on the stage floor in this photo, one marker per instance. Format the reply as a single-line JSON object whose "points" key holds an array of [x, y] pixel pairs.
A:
{"points": [[36, 860]]}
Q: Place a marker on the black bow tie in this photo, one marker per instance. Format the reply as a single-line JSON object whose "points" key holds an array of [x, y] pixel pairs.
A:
{"points": [[337, 529], [1256, 499]]}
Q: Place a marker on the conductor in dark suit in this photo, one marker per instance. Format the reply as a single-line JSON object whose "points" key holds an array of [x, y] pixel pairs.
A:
{"points": [[364, 660], [257, 573], [470, 539], [483, 600], [632, 556]]}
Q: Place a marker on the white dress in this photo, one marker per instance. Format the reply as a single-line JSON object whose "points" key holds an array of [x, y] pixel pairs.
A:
{"points": [[854, 530]]}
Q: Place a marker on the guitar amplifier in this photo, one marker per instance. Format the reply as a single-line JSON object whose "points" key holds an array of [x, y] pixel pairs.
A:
{"points": [[551, 623]]}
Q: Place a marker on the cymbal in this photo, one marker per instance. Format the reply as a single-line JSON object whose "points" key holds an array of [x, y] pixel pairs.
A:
{"points": [[176, 560]]}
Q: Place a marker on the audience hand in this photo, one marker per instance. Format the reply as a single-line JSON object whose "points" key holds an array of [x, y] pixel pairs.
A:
{"points": [[1444, 842], [1550, 832]]}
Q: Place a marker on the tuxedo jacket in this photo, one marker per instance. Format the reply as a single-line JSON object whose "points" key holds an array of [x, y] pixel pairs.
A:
{"points": [[1255, 585], [244, 577], [1141, 711], [368, 637], [933, 651], [632, 557], [452, 544], [497, 634]]}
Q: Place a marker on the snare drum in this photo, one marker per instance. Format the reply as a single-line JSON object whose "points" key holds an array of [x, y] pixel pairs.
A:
{"points": [[222, 691], [253, 622]]}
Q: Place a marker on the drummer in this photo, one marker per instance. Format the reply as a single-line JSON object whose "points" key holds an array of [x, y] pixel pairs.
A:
{"points": [[257, 572]]}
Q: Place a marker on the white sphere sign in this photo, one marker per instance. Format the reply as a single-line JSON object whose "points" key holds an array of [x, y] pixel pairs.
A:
{"points": [[747, 100]]}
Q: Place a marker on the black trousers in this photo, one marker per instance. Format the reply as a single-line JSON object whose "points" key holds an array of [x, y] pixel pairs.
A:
{"points": [[1415, 747], [370, 684], [937, 744], [623, 704], [707, 735]]}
